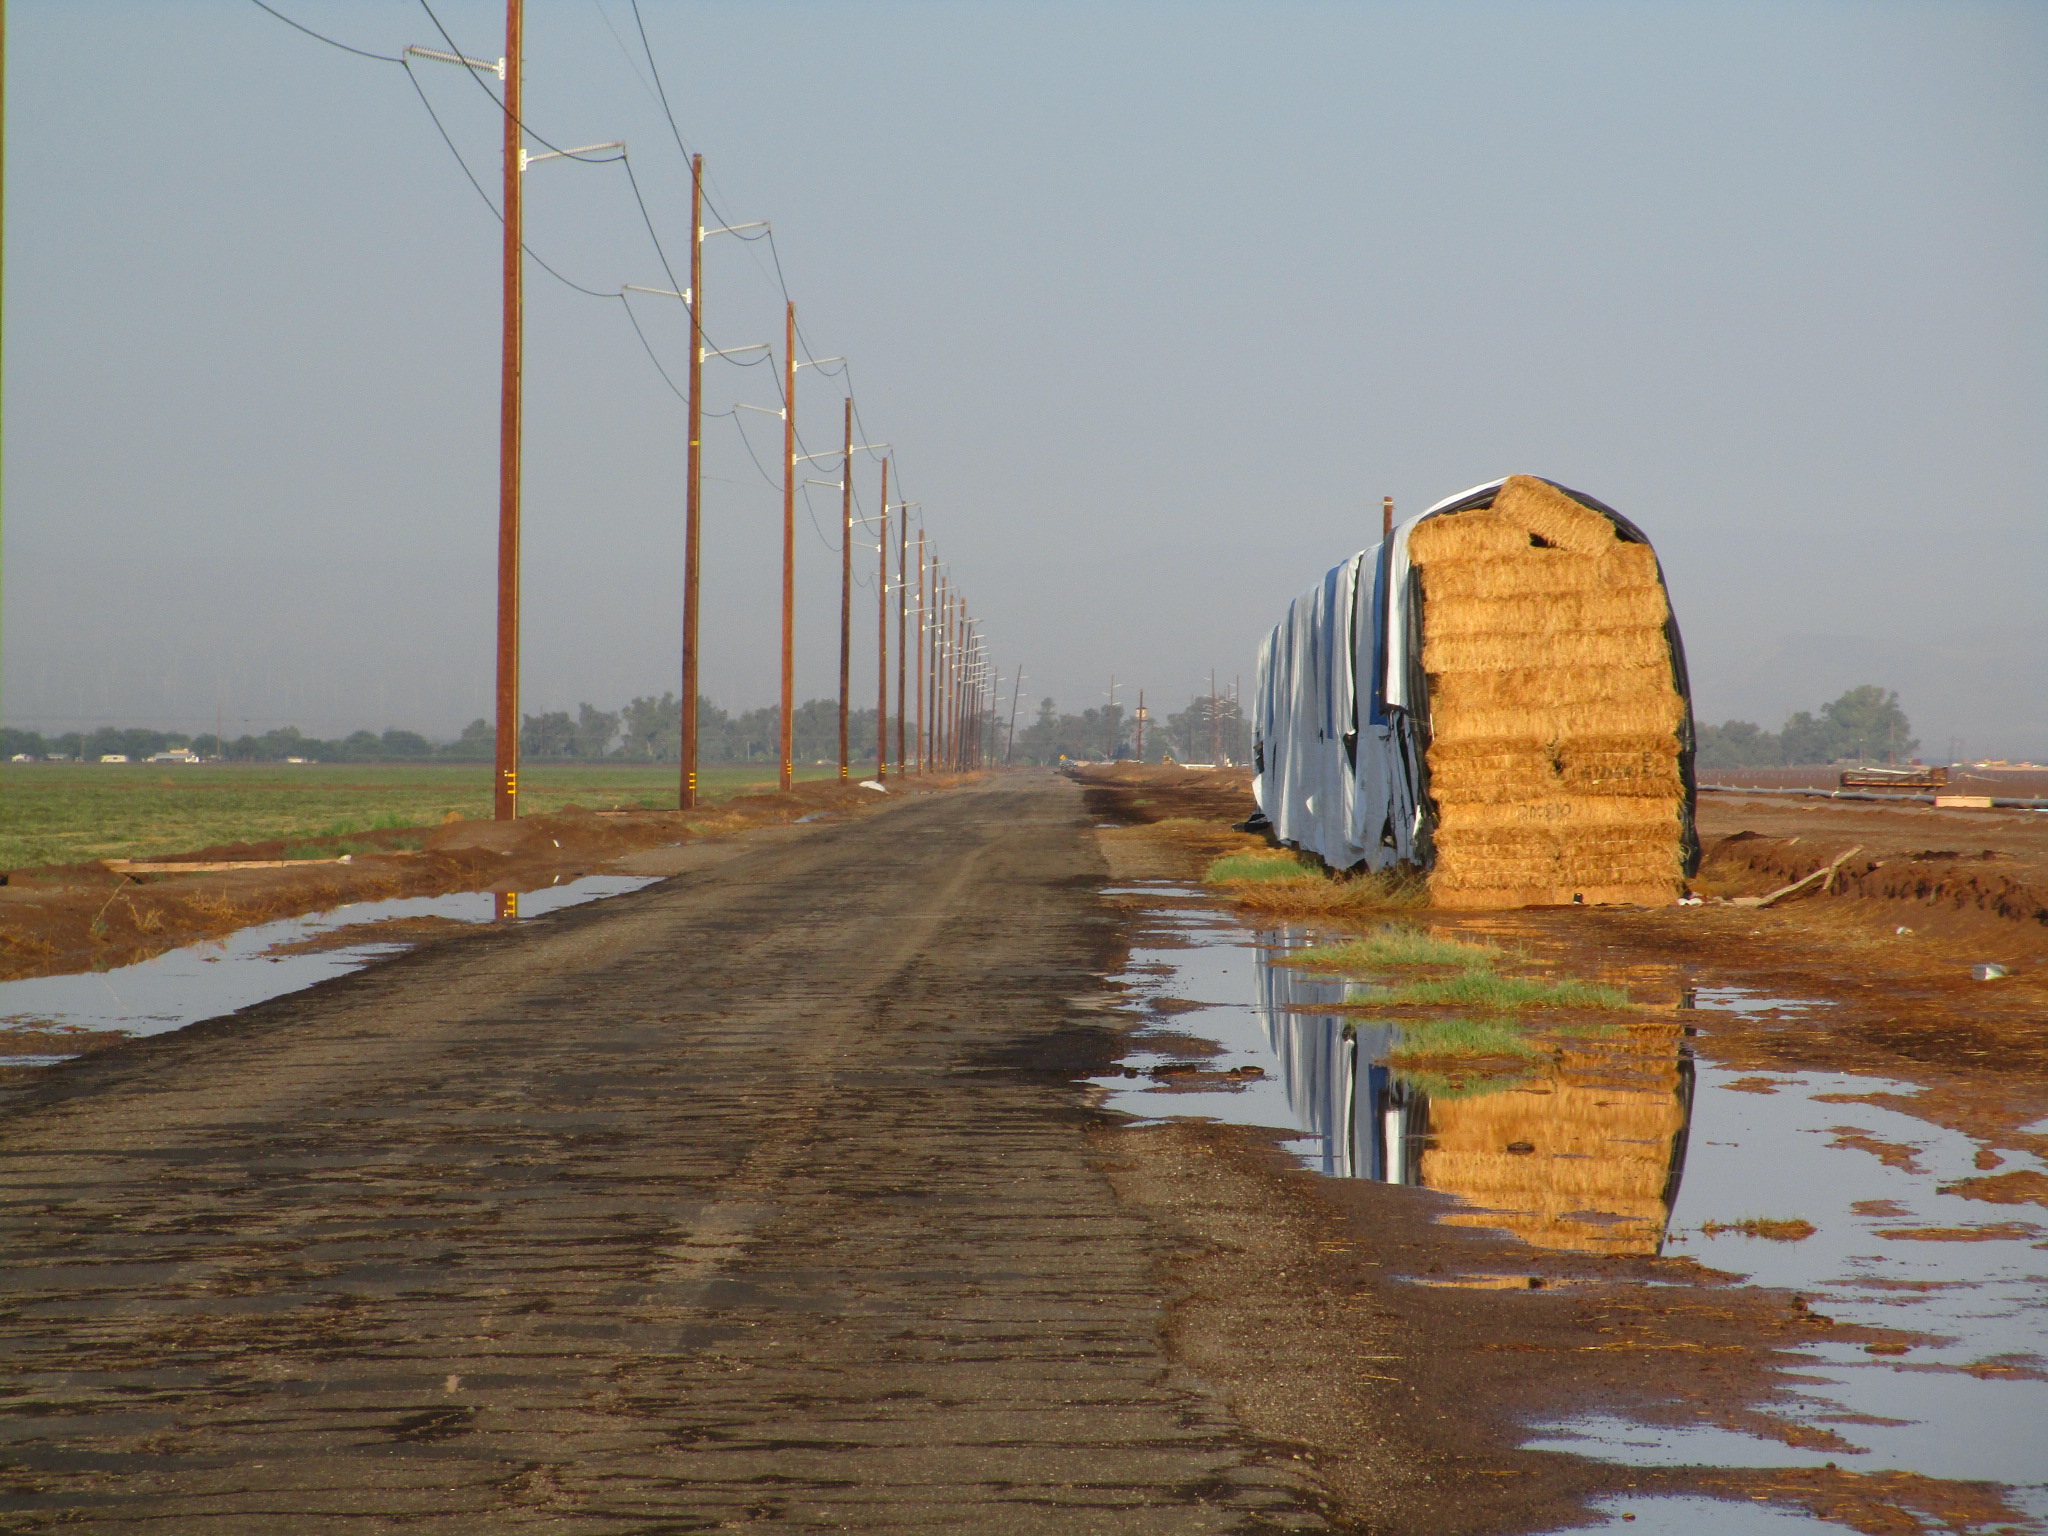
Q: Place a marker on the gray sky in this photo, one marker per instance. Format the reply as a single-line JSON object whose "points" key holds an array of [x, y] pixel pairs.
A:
{"points": [[1156, 301]]}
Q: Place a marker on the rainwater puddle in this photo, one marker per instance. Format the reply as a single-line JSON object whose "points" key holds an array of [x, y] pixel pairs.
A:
{"points": [[1629, 1139], [203, 981]]}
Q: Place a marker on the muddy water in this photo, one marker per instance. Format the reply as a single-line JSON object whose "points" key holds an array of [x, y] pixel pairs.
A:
{"points": [[203, 981], [1629, 1138]]}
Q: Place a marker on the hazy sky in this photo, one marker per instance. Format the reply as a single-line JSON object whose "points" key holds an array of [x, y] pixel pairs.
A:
{"points": [[1155, 301]]}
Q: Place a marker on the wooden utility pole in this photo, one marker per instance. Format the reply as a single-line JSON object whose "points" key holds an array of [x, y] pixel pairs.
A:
{"points": [[935, 638], [882, 631], [845, 583], [1010, 746], [923, 757], [1386, 518], [693, 493], [787, 735], [902, 626], [1139, 717], [505, 783]]}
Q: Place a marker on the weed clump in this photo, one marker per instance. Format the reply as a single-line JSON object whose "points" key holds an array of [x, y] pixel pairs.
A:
{"points": [[1236, 867], [1495, 993], [1283, 883], [1771, 1229], [1396, 948]]}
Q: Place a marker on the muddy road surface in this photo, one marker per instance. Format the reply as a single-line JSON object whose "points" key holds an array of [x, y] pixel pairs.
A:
{"points": [[763, 1197]]}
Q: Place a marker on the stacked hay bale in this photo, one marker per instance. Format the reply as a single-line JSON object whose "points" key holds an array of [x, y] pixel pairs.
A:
{"points": [[1554, 717]]}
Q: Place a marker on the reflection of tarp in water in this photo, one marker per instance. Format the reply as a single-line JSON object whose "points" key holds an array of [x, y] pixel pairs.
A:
{"points": [[1597, 1127], [1338, 1082]]}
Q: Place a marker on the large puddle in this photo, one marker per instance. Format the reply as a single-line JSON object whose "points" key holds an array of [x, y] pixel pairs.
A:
{"points": [[1628, 1138], [48, 1019]]}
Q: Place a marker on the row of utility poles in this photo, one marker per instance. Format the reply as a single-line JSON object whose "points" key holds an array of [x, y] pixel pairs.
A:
{"points": [[953, 698]]}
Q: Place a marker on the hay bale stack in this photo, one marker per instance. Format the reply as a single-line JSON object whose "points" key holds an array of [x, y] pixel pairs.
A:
{"points": [[1554, 718]]}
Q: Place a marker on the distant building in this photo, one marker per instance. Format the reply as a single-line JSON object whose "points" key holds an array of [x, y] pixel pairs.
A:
{"points": [[115, 757]]}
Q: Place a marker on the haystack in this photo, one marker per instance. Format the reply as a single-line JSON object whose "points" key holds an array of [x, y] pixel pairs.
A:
{"points": [[1555, 716]]}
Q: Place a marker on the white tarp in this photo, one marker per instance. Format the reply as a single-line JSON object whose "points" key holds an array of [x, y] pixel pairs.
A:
{"points": [[1337, 766]]}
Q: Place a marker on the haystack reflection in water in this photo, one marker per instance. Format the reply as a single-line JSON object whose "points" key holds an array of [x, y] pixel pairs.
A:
{"points": [[1568, 1138]]}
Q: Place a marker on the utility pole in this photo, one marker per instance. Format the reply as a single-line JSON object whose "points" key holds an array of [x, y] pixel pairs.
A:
{"points": [[923, 757], [1215, 724], [902, 625], [693, 493], [787, 740], [1386, 518], [845, 583], [505, 783], [1010, 746], [1140, 717], [882, 632]]}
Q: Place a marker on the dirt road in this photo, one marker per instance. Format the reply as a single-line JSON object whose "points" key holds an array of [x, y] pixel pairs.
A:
{"points": [[763, 1196]]}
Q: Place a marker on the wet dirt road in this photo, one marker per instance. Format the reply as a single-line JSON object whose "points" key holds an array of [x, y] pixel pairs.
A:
{"points": [[760, 1198]]}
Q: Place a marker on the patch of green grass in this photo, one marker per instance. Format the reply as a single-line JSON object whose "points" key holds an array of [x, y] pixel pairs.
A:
{"points": [[1278, 865], [1495, 993], [1394, 948], [1459, 1058], [69, 813], [1492, 1039]]}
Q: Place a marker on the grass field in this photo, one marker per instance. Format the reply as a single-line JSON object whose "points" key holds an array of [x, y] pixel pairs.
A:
{"points": [[64, 813]]}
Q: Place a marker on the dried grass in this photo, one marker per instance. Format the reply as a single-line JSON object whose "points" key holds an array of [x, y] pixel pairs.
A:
{"points": [[1491, 991]]}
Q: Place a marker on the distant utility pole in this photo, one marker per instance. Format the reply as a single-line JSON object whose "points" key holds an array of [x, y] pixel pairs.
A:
{"points": [[882, 631], [1140, 718], [1010, 745], [1386, 518], [922, 645], [845, 583], [787, 741], [693, 489], [505, 782], [902, 625]]}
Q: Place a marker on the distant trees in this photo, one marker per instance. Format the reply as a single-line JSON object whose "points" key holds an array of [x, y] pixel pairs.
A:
{"points": [[1864, 724], [1097, 734], [645, 729]]}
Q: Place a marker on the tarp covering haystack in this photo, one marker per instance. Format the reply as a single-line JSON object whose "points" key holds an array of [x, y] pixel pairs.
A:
{"points": [[1496, 694]]}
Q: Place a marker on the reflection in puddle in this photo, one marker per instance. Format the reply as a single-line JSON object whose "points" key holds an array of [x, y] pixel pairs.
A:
{"points": [[1568, 1138], [203, 981], [1578, 1140]]}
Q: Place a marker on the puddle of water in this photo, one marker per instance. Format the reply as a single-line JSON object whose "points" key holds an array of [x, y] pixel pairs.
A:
{"points": [[203, 981], [1618, 1140]]}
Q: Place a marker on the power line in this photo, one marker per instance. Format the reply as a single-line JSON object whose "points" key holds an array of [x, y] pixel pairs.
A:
{"points": [[361, 53]]}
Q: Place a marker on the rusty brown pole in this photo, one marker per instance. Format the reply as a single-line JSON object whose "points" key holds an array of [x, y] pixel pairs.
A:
{"points": [[505, 786], [1386, 518], [923, 645], [845, 583], [787, 741], [902, 624], [934, 627], [693, 493], [882, 631]]}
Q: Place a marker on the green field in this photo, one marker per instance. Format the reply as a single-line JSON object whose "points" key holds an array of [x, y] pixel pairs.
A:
{"points": [[64, 813]]}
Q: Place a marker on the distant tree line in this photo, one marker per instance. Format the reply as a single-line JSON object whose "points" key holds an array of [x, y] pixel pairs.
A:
{"points": [[645, 729], [1863, 725], [1208, 726]]}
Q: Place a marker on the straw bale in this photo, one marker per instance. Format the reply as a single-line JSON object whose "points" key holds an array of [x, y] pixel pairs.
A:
{"points": [[1541, 725], [1465, 534], [1538, 572], [1542, 509], [1504, 618], [1534, 779], [1446, 654], [1568, 814], [1629, 678]]}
